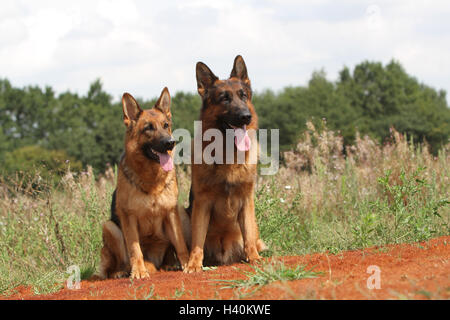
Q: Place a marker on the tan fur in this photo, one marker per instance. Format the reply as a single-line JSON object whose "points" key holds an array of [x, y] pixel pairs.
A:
{"points": [[224, 228], [146, 202]]}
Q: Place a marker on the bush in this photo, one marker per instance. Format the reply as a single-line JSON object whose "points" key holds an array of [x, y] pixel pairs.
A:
{"points": [[28, 162]]}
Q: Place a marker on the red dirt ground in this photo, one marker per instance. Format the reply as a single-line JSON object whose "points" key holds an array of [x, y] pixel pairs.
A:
{"points": [[411, 271]]}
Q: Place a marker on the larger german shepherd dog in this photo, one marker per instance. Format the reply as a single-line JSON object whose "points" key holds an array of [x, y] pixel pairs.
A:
{"points": [[224, 228], [145, 224]]}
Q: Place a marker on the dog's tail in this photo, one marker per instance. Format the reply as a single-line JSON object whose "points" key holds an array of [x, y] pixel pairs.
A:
{"points": [[261, 246]]}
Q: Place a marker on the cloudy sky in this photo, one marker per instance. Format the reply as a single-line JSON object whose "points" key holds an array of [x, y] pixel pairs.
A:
{"points": [[141, 46]]}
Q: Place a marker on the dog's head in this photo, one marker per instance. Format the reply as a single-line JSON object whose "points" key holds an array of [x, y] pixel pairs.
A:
{"points": [[227, 103], [150, 131]]}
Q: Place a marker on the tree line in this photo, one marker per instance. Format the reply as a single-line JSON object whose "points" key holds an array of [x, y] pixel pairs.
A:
{"points": [[39, 127]]}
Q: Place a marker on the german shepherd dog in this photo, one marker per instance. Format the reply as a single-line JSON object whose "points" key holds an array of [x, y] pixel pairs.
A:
{"points": [[222, 195], [145, 224]]}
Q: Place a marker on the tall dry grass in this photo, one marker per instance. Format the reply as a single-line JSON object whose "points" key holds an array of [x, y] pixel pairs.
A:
{"points": [[324, 172], [338, 197]]}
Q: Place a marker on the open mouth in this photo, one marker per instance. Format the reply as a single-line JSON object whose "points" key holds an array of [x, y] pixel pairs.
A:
{"points": [[164, 158], [241, 138], [235, 127]]}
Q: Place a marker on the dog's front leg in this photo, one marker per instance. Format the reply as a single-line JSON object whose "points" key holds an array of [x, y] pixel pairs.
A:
{"points": [[130, 228], [175, 232], [249, 229], [201, 212]]}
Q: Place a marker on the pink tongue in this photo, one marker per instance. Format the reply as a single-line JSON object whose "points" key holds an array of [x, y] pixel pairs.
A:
{"points": [[241, 139], [165, 160]]}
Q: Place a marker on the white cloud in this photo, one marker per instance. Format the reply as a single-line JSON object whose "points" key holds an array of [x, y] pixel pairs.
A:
{"points": [[12, 32], [141, 46]]}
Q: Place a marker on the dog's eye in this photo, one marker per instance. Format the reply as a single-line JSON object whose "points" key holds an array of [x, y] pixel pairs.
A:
{"points": [[149, 127], [242, 95], [225, 97], [166, 125]]}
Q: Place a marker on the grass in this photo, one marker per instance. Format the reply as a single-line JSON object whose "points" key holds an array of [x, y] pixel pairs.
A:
{"points": [[41, 235], [268, 273], [265, 274], [320, 200]]}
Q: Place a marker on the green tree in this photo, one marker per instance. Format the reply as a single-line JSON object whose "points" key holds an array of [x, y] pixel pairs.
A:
{"points": [[24, 114], [88, 128], [386, 96]]}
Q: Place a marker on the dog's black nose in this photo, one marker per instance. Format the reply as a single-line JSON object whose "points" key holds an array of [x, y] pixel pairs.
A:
{"points": [[245, 117], [169, 144]]}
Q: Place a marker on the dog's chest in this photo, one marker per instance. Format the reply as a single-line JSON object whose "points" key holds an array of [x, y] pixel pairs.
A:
{"points": [[141, 204], [150, 210], [151, 227], [227, 208], [227, 177]]}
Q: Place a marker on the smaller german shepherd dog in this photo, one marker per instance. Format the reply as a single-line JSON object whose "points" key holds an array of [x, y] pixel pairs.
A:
{"points": [[224, 228], [145, 224]]}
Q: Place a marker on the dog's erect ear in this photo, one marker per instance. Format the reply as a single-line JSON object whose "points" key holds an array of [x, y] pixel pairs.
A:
{"points": [[131, 109], [205, 78], [240, 70], [163, 103]]}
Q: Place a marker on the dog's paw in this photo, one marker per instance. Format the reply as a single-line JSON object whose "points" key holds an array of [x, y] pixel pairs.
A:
{"points": [[261, 246], [195, 263], [192, 269], [193, 266], [139, 272], [253, 257]]}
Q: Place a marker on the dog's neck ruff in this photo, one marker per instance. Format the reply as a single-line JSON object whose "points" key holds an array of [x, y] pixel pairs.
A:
{"points": [[133, 178]]}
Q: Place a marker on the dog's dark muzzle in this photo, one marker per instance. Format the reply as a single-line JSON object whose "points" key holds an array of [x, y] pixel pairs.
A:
{"points": [[238, 119], [165, 144], [162, 146], [245, 118]]}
